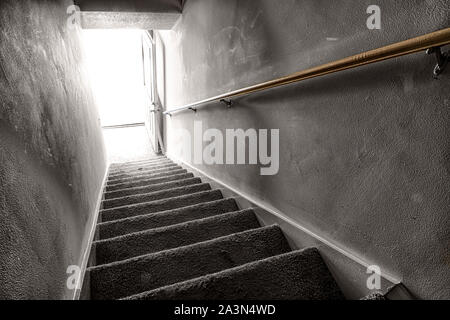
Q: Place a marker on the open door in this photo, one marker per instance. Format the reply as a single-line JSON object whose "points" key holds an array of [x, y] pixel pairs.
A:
{"points": [[153, 110]]}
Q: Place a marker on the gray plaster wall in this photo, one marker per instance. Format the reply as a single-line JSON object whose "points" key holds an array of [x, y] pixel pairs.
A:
{"points": [[52, 158], [364, 154]]}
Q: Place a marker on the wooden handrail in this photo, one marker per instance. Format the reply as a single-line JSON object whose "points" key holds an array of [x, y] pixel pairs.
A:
{"points": [[427, 41]]}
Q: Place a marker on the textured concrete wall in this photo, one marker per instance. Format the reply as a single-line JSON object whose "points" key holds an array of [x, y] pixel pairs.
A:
{"points": [[364, 154], [52, 157]]}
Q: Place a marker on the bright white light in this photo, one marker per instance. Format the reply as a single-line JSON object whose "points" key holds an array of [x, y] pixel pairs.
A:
{"points": [[114, 61]]}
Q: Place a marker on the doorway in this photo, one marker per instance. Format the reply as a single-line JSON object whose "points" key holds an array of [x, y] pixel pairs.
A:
{"points": [[121, 75]]}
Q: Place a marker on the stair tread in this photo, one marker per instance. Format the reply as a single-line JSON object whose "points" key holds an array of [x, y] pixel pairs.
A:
{"points": [[143, 180], [297, 275], [151, 188], [165, 218], [138, 162], [159, 239], [140, 166], [157, 169], [143, 273], [121, 164], [147, 176], [160, 205], [153, 196], [149, 182]]}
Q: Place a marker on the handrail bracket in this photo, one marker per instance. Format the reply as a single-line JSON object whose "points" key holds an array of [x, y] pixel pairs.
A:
{"points": [[228, 103], [442, 60]]}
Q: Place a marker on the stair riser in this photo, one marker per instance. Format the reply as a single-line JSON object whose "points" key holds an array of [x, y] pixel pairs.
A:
{"points": [[140, 275], [136, 169], [109, 204], [139, 178], [128, 168], [160, 205], [172, 237], [149, 182], [142, 172], [152, 188], [166, 218]]}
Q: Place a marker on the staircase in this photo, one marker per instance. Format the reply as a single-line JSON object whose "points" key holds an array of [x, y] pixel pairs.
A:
{"points": [[163, 234]]}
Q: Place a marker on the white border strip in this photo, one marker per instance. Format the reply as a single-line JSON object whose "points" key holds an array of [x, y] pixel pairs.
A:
{"points": [[87, 251]]}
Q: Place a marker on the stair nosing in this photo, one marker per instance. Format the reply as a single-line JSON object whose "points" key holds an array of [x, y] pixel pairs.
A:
{"points": [[131, 163], [160, 191], [145, 169], [135, 205], [138, 179], [142, 173], [138, 169], [143, 187], [132, 259], [227, 271], [138, 161], [144, 164], [131, 234], [142, 216], [147, 185]]}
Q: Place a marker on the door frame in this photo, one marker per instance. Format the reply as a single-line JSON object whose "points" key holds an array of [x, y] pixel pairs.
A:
{"points": [[150, 84]]}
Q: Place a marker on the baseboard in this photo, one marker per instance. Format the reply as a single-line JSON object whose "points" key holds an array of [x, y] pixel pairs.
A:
{"points": [[93, 224], [349, 270]]}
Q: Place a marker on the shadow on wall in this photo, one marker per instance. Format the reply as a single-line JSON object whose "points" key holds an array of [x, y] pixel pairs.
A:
{"points": [[52, 158]]}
